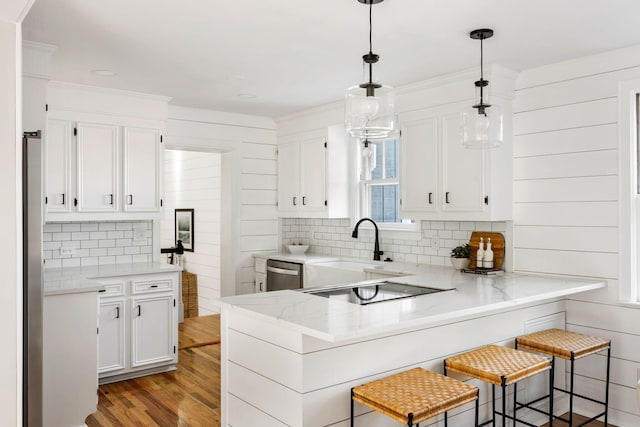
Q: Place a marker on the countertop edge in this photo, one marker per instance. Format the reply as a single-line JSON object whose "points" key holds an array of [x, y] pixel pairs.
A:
{"points": [[426, 321]]}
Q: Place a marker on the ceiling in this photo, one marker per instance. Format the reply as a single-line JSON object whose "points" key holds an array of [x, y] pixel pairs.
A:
{"points": [[275, 57]]}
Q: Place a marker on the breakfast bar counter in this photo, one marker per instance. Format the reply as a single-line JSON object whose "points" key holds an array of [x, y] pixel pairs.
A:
{"points": [[291, 357]]}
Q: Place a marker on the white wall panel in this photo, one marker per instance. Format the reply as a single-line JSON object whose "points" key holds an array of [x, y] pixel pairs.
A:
{"points": [[585, 264], [578, 189], [601, 239], [590, 163], [576, 140], [597, 214], [567, 116]]}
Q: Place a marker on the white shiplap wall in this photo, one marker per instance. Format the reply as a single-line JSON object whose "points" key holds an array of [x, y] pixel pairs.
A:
{"points": [[566, 206], [192, 181], [248, 184]]}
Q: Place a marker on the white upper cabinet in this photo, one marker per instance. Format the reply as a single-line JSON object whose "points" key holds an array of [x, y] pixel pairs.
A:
{"points": [[419, 159], [313, 174], [57, 154], [97, 153], [443, 180], [141, 170], [103, 154]]}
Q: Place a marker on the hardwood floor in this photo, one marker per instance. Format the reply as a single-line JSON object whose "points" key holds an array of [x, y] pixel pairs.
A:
{"points": [[189, 396], [577, 419]]}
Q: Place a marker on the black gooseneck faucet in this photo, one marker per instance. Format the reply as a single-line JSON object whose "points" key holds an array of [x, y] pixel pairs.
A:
{"points": [[376, 249]]}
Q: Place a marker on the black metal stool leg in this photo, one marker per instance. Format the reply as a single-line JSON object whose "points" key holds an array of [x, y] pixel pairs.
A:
{"points": [[606, 397], [477, 409], [351, 407], [504, 405], [573, 361], [493, 394], [551, 385]]}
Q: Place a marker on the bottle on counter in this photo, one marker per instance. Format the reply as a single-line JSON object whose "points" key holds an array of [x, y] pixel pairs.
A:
{"points": [[487, 261], [480, 254]]}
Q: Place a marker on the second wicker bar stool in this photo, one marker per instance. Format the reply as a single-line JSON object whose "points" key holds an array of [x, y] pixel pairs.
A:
{"points": [[501, 366], [569, 346], [413, 396]]}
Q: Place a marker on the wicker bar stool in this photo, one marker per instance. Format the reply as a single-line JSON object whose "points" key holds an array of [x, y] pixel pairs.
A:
{"points": [[569, 346], [500, 366], [413, 396]]}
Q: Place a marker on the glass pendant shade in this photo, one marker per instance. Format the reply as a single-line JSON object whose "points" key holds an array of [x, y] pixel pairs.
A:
{"points": [[482, 130], [370, 117]]}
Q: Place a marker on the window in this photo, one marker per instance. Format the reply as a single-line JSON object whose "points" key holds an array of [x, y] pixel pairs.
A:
{"points": [[379, 181]]}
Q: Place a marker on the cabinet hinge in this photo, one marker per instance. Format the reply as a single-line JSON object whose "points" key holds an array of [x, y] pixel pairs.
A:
{"points": [[46, 200], [75, 131], [46, 107], [486, 200]]}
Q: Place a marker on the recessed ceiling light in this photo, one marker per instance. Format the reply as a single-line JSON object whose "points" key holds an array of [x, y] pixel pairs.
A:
{"points": [[246, 95], [108, 73]]}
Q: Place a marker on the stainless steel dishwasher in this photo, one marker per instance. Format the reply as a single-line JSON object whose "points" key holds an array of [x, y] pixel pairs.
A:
{"points": [[283, 275]]}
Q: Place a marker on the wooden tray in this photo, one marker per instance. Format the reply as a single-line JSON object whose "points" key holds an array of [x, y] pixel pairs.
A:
{"points": [[497, 246]]}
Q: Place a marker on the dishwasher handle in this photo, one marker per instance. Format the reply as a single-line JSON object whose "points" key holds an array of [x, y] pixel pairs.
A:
{"points": [[283, 271]]}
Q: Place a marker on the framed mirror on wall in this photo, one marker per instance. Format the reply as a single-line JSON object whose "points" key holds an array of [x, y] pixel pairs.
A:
{"points": [[184, 228]]}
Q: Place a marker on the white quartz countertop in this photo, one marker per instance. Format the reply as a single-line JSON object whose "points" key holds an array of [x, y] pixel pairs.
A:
{"points": [[472, 295], [299, 258], [83, 279]]}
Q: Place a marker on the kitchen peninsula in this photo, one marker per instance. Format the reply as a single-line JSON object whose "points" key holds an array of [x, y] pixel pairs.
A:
{"points": [[291, 357]]}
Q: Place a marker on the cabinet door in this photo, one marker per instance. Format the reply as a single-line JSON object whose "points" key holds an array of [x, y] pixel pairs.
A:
{"points": [[288, 177], [419, 159], [57, 153], [463, 171], [97, 167], [111, 335], [141, 170], [261, 282], [313, 175], [152, 330]]}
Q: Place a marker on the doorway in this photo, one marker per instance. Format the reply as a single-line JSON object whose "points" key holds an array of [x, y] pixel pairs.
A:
{"points": [[192, 180]]}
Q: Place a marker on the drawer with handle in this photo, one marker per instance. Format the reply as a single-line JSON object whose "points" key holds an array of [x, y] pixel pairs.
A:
{"points": [[111, 289], [148, 286]]}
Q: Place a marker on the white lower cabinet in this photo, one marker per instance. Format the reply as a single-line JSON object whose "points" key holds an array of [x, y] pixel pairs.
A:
{"points": [[138, 326], [151, 330], [111, 335]]}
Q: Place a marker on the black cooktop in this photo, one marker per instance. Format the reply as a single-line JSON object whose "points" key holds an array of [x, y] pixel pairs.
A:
{"points": [[375, 292]]}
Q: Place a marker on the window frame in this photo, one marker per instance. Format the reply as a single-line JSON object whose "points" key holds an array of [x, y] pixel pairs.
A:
{"points": [[363, 187], [629, 193]]}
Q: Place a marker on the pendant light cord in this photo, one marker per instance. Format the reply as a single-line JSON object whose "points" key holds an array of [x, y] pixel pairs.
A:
{"points": [[370, 27], [481, 70]]}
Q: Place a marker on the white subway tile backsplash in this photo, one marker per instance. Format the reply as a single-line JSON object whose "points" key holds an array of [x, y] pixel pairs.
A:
{"points": [[333, 237], [94, 243]]}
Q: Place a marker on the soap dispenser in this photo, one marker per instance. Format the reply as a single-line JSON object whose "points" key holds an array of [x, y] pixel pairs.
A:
{"points": [[487, 262], [480, 254]]}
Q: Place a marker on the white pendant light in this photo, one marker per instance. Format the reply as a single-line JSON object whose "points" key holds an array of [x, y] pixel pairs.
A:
{"points": [[482, 124], [369, 106]]}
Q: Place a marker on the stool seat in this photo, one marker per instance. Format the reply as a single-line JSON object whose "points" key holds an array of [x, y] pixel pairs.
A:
{"points": [[498, 365], [415, 395], [564, 344]]}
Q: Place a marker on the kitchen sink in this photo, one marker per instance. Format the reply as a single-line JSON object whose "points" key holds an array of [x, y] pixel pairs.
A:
{"points": [[372, 293]]}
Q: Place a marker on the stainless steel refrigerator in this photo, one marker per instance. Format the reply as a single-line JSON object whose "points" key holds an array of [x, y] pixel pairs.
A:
{"points": [[32, 278]]}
